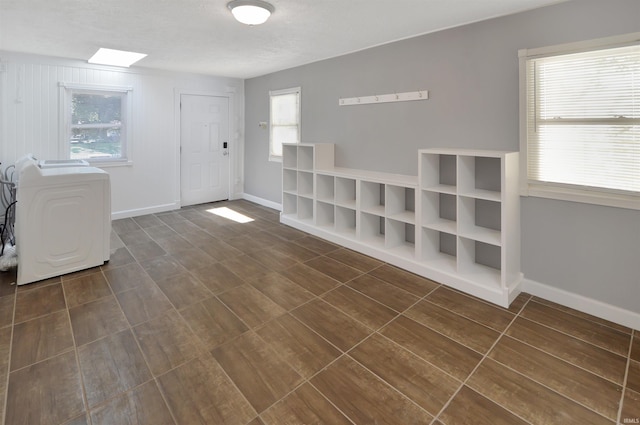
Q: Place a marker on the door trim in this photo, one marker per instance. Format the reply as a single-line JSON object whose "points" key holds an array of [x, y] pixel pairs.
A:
{"points": [[233, 138]]}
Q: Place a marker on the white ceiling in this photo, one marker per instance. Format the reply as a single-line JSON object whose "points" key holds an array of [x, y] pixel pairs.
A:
{"points": [[201, 36]]}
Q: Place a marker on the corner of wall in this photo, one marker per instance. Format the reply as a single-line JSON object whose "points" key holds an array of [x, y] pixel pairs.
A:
{"points": [[262, 201], [584, 304]]}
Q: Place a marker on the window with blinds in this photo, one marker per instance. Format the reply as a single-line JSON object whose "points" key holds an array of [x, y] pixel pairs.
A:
{"points": [[285, 120], [583, 123]]}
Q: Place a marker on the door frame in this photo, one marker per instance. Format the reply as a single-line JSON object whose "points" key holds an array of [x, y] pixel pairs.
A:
{"points": [[233, 135]]}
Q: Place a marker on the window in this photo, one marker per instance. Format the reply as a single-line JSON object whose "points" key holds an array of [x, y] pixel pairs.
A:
{"points": [[96, 123], [581, 135], [284, 120]]}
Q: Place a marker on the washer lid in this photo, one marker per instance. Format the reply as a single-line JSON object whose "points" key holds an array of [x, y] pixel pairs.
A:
{"points": [[32, 175], [57, 163]]}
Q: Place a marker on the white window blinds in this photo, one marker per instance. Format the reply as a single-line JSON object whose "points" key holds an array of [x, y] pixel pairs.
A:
{"points": [[285, 120], [583, 120]]}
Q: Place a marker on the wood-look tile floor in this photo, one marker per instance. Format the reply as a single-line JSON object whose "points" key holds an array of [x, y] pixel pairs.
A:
{"points": [[201, 320]]}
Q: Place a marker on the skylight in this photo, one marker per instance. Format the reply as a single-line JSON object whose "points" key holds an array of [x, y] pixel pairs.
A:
{"points": [[115, 57]]}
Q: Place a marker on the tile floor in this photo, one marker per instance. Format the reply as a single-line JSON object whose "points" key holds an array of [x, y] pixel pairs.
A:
{"points": [[200, 320]]}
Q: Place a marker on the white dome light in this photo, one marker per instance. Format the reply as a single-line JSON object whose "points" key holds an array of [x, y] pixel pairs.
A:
{"points": [[251, 12]]}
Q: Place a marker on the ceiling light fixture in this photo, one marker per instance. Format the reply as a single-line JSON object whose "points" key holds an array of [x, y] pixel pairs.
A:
{"points": [[115, 57], [251, 12]]}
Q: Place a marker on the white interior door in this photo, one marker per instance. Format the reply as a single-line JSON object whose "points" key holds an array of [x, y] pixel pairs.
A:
{"points": [[204, 142]]}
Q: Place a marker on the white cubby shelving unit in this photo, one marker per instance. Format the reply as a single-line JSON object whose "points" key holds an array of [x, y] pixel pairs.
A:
{"points": [[457, 222]]}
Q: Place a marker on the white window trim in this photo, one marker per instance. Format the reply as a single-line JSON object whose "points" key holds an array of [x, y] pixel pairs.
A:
{"points": [[557, 191], [65, 120], [298, 90]]}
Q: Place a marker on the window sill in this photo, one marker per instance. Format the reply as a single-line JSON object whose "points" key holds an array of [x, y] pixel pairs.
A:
{"points": [[582, 196], [110, 164]]}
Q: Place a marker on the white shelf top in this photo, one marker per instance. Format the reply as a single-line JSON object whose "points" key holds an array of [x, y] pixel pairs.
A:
{"points": [[488, 195], [374, 210], [465, 152], [350, 203], [310, 145], [442, 225], [373, 176], [404, 216], [482, 234], [327, 200], [442, 188]]}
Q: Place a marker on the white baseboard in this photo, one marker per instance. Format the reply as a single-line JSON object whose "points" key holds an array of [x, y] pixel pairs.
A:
{"points": [[581, 303], [263, 202], [144, 211]]}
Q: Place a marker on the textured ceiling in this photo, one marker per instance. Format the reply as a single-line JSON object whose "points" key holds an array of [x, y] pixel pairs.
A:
{"points": [[201, 36]]}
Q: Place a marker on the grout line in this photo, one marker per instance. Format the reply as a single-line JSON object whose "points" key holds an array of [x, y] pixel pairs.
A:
{"points": [[565, 396], [5, 401], [144, 357], [330, 402], [289, 312], [626, 377], [620, 384], [77, 355], [599, 322], [464, 383], [393, 387], [579, 338]]}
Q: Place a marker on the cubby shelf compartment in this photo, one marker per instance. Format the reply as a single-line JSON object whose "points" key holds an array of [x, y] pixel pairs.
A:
{"points": [[346, 221], [457, 222], [438, 172], [400, 237], [439, 211], [480, 220], [325, 215], [289, 181], [324, 187], [305, 158], [479, 177], [346, 192], [305, 210], [401, 203], [289, 204], [481, 261], [439, 249], [290, 156], [372, 229], [305, 184], [372, 197]]}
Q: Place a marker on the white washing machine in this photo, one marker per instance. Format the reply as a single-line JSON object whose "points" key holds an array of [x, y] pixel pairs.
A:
{"points": [[63, 219]]}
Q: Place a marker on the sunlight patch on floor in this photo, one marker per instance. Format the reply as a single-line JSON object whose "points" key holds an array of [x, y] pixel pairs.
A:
{"points": [[230, 214]]}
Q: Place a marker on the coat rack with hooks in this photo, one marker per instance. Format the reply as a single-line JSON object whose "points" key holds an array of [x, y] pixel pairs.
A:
{"points": [[385, 98]]}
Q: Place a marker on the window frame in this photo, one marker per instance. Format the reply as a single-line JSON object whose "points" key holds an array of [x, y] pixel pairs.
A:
{"points": [[67, 90], [272, 93], [558, 191]]}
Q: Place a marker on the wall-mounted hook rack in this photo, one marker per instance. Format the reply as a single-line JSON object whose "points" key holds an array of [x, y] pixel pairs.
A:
{"points": [[385, 98]]}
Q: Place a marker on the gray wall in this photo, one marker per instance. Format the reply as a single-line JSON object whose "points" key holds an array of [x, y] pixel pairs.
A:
{"points": [[471, 73]]}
